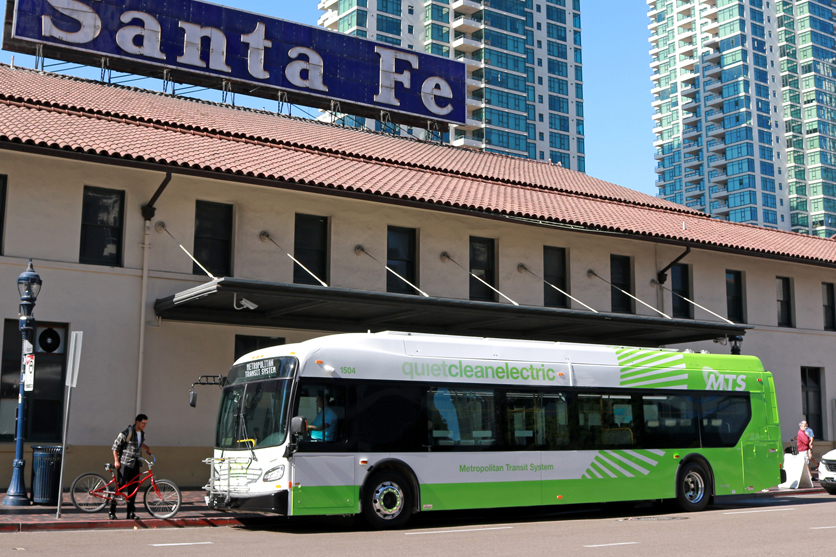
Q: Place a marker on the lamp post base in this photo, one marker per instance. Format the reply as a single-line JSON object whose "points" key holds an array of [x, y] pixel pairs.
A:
{"points": [[16, 495]]}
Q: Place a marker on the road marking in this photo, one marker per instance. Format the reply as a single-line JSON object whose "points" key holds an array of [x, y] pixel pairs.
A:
{"points": [[612, 544], [457, 531], [821, 527], [759, 511], [169, 544]]}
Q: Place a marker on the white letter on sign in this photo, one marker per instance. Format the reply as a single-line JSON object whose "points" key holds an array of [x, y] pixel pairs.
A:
{"points": [[388, 77], [90, 22], [255, 57], [191, 49], [436, 87], [315, 68], [150, 33]]}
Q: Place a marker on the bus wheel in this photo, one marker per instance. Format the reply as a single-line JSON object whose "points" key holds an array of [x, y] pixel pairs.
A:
{"points": [[693, 488], [387, 500]]}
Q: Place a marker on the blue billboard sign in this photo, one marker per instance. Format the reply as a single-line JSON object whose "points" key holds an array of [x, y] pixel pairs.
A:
{"points": [[215, 46]]}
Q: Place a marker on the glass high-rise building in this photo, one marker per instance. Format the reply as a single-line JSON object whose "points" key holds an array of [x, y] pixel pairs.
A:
{"points": [[719, 119], [524, 67], [807, 43]]}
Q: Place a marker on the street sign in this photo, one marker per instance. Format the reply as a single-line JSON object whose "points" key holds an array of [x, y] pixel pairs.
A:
{"points": [[29, 372], [73, 358], [208, 45]]}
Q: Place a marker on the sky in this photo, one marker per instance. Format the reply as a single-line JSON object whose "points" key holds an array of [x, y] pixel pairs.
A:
{"points": [[616, 71]]}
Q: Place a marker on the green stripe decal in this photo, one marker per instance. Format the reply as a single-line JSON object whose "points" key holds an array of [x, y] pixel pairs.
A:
{"points": [[651, 369], [622, 464]]}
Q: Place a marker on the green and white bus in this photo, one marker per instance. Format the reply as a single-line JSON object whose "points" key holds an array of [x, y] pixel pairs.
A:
{"points": [[390, 424]]}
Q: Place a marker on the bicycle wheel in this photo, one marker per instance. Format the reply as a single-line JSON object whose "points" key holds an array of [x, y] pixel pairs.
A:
{"points": [[82, 494], [163, 502]]}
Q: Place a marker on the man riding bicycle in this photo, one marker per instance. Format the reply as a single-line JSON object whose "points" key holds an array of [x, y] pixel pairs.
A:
{"points": [[126, 452]]}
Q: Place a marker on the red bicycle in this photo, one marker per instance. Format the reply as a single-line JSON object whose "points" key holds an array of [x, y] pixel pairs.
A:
{"points": [[90, 492]]}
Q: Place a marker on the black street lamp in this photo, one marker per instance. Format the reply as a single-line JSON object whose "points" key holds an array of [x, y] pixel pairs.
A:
{"points": [[29, 285]]}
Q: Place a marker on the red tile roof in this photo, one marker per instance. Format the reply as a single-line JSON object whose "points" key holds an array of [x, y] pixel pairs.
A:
{"points": [[112, 121]]}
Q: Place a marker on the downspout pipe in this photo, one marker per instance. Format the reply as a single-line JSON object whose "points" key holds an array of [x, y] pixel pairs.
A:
{"points": [[148, 212]]}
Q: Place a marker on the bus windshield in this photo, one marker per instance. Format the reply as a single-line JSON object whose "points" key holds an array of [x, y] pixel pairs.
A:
{"points": [[254, 407]]}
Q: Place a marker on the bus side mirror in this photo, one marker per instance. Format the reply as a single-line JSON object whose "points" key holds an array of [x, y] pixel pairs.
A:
{"points": [[298, 425], [192, 398]]}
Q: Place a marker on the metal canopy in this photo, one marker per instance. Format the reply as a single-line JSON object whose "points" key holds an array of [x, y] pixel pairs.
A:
{"points": [[296, 306]]}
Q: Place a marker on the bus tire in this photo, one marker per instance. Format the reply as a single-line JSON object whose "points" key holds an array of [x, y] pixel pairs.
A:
{"points": [[387, 500], [693, 487]]}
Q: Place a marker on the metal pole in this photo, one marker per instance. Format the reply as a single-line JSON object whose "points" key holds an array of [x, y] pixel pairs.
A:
{"points": [[16, 495], [64, 450], [28, 284]]}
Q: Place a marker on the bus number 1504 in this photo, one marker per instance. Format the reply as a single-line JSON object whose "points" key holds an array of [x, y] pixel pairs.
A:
{"points": [[347, 370]]}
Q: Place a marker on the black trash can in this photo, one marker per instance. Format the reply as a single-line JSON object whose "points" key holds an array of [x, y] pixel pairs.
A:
{"points": [[46, 474]]}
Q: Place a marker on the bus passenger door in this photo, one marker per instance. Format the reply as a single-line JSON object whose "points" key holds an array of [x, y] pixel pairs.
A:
{"points": [[323, 475]]}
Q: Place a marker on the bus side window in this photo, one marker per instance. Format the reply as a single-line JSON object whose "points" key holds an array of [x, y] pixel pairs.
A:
{"points": [[324, 408], [390, 418], [724, 417], [461, 418], [590, 420], [670, 421]]}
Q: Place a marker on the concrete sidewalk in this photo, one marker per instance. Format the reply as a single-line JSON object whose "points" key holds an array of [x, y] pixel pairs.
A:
{"points": [[193, 513]]}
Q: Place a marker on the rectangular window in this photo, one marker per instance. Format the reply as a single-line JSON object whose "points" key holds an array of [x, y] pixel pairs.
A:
{"points": [[554, 271], [784, 301], [460, 417], [310, 247], [400, 257], [670, 421], [734, 296], [681, 287], [829, 304], [102, 220], [606, 420], [621, 276], [811, 405], [44, 406], [325, 403], [3, 180], [482, 264], [213, 238], [724, 417]]}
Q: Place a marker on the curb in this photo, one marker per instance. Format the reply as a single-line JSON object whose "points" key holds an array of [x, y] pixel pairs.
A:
{"points": [[152, 524]]}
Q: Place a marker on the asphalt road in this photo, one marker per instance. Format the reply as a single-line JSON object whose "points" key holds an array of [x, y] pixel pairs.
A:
{"points": [[765, 526]]}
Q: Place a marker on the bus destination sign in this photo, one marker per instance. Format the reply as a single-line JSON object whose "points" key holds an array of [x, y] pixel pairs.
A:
{"points": [[214, 46]]}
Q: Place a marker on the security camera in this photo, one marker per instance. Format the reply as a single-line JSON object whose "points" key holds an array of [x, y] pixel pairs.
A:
{"points": [[245, 303]]}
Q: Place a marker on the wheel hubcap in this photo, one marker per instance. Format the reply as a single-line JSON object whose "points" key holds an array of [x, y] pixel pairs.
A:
{"points": [[693, 487], [388, 500]]}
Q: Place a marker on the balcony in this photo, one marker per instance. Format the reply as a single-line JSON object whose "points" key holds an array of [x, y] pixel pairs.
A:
{"points": [[712, 57], [710, 26], [690, 91], [474, 101], [467, 25], [714, 115], [471, 62], [711, 42], [464, 43], [712, 85], [713, 100], [716, 146], [692, 120], [468, 142], [712, 70], [470, 125], [690, 146], [714, 131], [329, 20], [473, 84], [466, 6], [718, 163], [690, 131], [325, 5], [692, 162]]}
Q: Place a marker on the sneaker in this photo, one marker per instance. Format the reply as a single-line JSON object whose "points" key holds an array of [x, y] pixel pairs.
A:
{"points": [[132, 516], [111, 516]]}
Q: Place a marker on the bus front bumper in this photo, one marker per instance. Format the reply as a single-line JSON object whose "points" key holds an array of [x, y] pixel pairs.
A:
{"points": [[275, 503]]}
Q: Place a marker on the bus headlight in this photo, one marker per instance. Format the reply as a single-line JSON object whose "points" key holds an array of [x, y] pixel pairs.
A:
{"points": [[274, 474]]}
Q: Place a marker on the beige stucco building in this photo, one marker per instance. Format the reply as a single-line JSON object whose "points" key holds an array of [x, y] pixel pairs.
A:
{"points": [[81, 161]]}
